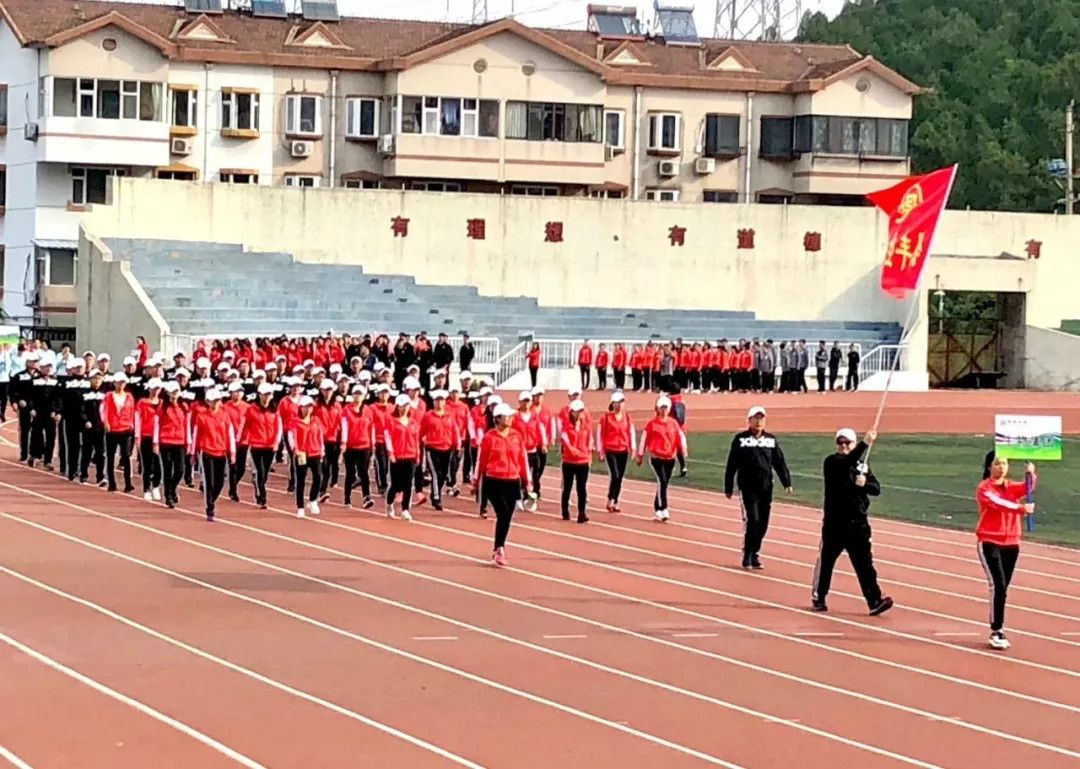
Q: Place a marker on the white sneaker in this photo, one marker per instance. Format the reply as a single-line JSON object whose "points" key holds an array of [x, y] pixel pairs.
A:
{"points": [[998, 641], [519, 505], [532, 506], [314, 508], [300, 513], [156, 493], [390, 513], [406, 515], [667, 514], [147, 497], [658, 515]]}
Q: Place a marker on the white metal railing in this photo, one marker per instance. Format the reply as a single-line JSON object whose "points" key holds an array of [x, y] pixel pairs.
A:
{"points": [[511, 362], [883, 358]]}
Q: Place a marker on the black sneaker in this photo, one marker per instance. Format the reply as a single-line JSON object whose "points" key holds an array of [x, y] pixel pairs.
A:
{"points": [[746, 562], [583, 519], [368, 503], [437, 506], [170, 504], [234, 496], [209, 517], [682, 472], [755, 563], [566, 516], [881, 607], [818, 606], [129, 489]]}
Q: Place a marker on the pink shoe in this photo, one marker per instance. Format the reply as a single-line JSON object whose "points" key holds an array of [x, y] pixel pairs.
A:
{"points": [[499, 557]]}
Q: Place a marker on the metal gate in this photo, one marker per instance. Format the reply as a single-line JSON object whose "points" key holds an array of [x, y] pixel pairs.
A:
{"points": [[967, 355]]}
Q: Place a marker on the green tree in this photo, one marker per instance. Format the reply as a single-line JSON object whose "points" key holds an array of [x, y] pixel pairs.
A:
{"points": [[1001, 74]]}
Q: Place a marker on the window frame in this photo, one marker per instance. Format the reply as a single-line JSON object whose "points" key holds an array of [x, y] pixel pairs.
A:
{"points": [[3, 108], [719, 196], [192, 98], [828, 135], [662, 194], [790, 152], [47, 266], [721, 151], [535, 190], [656, 131], [620, 145], [3, 198], [426, 186], [362, 184], [353, 117], [294, 115], [556, 121], [229, 177], [303, 181], [230, 109], [83, 172]]}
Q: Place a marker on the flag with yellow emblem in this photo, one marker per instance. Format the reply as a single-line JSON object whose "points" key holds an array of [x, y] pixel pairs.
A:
{"points": [[913, 207]]}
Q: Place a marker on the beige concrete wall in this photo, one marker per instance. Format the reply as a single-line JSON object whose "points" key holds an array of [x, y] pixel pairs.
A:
{"points": [[133, 59], [1052, 360], [300, 81], [880, 99]]}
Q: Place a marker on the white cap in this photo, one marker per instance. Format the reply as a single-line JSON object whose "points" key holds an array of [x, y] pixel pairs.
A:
{"points": [[538, 391], [846, 434], [96, 373], [754, 411], [213, 394], [119, 377], [154, 384], [577, 405], [503, 410], [403, 400], [104, 356], [335, 368], [172, 387], [438, 395], [663, 402], [129, 361], [296, 382], [182, 372], [76, 363], [359, 389], [617, 397], [486, 391], [326, 384], [298, 369], [573, 392], [455, 388], [465, 375], [236, 387], [271, 366], [413, 367], [308, 362], [379, 366], [203, 362], [258, 374], [411, 383], [317, 370], [525, 395], [494, 400], [307, 401], [89, 354], [157, 359], [382, 387], [364, 376], [266, 389], [223, 366]]}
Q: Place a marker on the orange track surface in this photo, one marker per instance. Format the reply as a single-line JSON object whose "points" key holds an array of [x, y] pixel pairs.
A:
{"points": [[351, 640]]}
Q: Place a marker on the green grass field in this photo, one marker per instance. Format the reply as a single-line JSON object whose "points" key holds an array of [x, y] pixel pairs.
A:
{"points": [[925, 478]]}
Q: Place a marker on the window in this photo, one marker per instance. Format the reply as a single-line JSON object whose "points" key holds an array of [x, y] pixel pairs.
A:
{"points": [[839, 135], [774, 198], [665, 130], [720, 196], [535, 191], [239, 177], [180, 176], [239, 111], [777, 138], [3, 198], [106, 99], [60, 269], [448, 116], [613, 129], [183, 107], [361, 118], [362, 184], [297, 180], [2, 267], [302, 114], [435, 186], [665, 196], [3, 107], [722, 136], [550, 121], [612, 194], [90, 185]]}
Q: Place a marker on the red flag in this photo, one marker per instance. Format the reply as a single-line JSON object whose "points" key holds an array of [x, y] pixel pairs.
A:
{"points": [[914, 207]]}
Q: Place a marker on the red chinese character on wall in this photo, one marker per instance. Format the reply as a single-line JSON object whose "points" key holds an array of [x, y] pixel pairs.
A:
{"points": [[399, 225], [677, 235], [1033, 249], [553, 232], [746, 238], [474, 228], [811, 241]]}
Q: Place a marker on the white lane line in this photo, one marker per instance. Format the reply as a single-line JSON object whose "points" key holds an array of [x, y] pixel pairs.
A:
{"points": [[956, 635], [565, 636], [12, 759], [817, 634], [434, 637], [141, 707], [1070, 633], [412, 657], [694, 635]]}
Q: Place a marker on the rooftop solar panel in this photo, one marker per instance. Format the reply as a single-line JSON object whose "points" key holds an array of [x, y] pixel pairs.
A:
{"points": [[202, 6], [274, 9], [616, 25], [677, 25], [320, 10]]}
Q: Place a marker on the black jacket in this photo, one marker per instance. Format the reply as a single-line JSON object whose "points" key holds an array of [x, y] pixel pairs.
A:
{"points": [[444, 355], [465, 356], [846, 503], [752, 461]]}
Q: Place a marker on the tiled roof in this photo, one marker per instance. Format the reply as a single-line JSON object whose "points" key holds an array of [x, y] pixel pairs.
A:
{"points": [[386, 44]]}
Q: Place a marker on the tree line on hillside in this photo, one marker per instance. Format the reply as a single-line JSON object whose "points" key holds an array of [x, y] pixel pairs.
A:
{"points": [[1002, 73]]}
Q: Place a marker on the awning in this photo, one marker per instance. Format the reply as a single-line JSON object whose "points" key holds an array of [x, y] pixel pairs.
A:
{"points": [[71, 245]]}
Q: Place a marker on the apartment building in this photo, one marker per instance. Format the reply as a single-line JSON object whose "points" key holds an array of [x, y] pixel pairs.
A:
{"points": [[90, 90]]}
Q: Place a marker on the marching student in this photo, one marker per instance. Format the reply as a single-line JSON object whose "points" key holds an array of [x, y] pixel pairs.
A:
{"points": [[289, 411], [576, 458], [171, 435], [213, 441], [849, 484], [618, 365], [533, 361], [262, 433], [328, 411], [403, 452], [752, 459], [615, 439], [381, 410], [502, 472], [307, 444], [530, 427], [75, 386], [93, 431], [998, 534], [237, 409], [602, 360], [585, 359], [146, 425], [357, 443], [118, 421], [21, 385], [45, 413], [664, 440], [439, 439], [551, 430], [459, 409]]}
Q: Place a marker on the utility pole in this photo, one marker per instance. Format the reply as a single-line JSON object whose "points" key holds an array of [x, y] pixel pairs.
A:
{"points": [[1069, 157], [479, 12]]}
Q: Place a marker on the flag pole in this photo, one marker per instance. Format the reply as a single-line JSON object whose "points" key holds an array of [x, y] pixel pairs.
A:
{"points": [[915, 302]]}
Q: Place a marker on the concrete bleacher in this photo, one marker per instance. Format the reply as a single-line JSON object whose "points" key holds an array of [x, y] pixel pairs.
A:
{"points": [[219, 288]]}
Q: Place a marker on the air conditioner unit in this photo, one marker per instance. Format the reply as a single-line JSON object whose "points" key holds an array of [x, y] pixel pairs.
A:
{"points": [[668, 168], [300, 149], [181, 146], [609, 152], [386, 144], [705, 165], [30, 132]]}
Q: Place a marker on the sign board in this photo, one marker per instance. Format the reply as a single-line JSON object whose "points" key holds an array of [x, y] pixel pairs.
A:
{"points": [[1027, 438], [9, 335]]}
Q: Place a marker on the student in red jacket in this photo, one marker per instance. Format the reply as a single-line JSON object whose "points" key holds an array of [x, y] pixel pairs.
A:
{"points": [[584, 360], [236, 408], [530, 426], [403, 451], [307, 442], [551, 430], [118, 421], [171, 433], [1001, 507], [358, 443], [457, 406], [663, 439], [533, 360], [618, 365], [213, 441], [289, 410], [328, 409], [146, 411], [603, 358], [576, 458], [503, 472], [439, 438], [615, 440], [381, 410], [262, 432]]}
